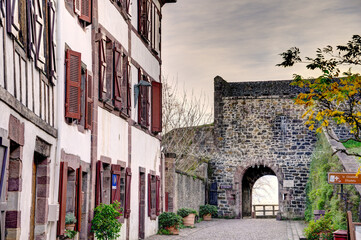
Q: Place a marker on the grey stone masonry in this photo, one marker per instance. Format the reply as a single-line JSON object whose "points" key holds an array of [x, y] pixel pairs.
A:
{"points": [[259, 131]]}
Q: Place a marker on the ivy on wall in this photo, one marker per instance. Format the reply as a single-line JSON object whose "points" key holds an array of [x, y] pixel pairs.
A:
{"points": [[323, 196]]}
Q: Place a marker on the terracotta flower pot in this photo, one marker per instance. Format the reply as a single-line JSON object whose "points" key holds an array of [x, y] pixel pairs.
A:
{"points": [[70, 226], [207, 217], [173, 230], [189, 220]]}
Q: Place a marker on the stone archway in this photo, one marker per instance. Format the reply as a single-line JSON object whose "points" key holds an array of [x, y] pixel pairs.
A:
{"points": [[247, 178]]}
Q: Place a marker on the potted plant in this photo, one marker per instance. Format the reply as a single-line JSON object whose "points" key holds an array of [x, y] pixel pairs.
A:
{"points": [[105, 224], [170, 221], [206, 211], [70, 221], [69, 234], [188, 216], [321, 229]]}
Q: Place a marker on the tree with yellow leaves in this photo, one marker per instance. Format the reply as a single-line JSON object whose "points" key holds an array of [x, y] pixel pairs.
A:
{"points": [[332, 96]]}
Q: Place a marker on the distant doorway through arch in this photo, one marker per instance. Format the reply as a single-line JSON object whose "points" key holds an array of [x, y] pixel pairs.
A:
{"points": [[249, 179]]}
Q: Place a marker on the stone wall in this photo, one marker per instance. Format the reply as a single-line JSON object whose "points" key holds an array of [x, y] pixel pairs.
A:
{"points": [[182, 189], [257, 124]]}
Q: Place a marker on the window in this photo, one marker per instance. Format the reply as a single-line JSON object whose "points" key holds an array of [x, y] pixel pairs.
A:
{"points": [[113, 184], [78, 100], [121, 85], [114, 75], [149, 23], [32, 23], [70, 195], [143, 101], [124, 6], [153, 196], [83, 9]]}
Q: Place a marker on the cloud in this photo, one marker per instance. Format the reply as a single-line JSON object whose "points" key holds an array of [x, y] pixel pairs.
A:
{"points": [[241, 40]]}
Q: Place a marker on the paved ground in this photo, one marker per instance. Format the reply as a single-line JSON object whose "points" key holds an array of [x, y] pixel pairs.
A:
{"points": [[243, 229]]}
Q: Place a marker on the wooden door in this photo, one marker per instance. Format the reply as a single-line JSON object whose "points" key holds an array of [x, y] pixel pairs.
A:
{"points": [[33, 201], [141, 205]]}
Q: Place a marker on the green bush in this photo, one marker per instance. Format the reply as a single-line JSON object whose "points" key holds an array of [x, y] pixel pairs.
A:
{"points": [[164, 232], [169, 219], [183, 212], [70, 234], [323, 227], [105, 224], [208, 209], [323, 196]]}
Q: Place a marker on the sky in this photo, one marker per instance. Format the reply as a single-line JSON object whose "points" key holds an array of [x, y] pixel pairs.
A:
{"points": [[240, 40]]}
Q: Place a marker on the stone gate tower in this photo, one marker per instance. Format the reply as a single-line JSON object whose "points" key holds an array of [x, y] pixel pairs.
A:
{"points": [[259, 131]]}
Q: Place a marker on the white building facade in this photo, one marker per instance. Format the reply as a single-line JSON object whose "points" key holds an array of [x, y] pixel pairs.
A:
{"points": [[80, 101]]}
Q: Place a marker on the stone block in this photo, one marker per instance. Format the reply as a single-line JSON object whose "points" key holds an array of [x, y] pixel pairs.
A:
{"points": [[13, 234], [13, 219], [41, 211]]}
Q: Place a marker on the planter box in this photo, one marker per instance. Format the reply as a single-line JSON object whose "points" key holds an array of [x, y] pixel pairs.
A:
{"points": [[207, 217], [189, 220], [173, 230]]}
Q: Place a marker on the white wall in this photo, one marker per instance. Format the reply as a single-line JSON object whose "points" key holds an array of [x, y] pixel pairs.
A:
{"points": [[78, 39], [113, 22], [31, 132], [146, 154], [112, 136]]}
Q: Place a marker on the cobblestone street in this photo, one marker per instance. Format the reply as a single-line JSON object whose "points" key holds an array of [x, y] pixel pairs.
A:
{"points": [[243, 229]]}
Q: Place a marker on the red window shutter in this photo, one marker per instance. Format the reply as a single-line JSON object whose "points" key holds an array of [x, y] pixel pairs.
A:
{"points": [[79, 197], [102, 66], [149, 194], [115, 193], [99, 183], [128, 179], [73, 84], [63, 181], [86, 6], [158, 196], [52, 44], [156, 107], [117, 76], [89, 102]]}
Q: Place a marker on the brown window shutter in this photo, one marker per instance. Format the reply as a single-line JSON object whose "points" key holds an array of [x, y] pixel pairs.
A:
{"points": [[30, 31], [77, 7], [73, 84], [156, 107], [89, 102], [128, 181], [12, 19], [86, 6], [63, 181], [39, 19], [128, 87], [149, 194], [99, 183], [140, 113], [115, 193], [52, 43], [117, 76], [102, 66], [158, 196], [147, 104], [127, 5], [79, 197]]}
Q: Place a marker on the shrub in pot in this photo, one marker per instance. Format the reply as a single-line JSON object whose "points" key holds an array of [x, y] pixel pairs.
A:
{"points": [[206, 211], [320, 229], [188, 215], [70, 221], [105, 224], [170, 221]]}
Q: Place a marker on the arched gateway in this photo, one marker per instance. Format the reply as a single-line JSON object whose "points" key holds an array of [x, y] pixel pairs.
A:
{"points": [[259, 131]]}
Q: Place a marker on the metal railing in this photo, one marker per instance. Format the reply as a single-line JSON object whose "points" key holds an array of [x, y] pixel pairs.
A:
{"points": [[268, 210]]}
